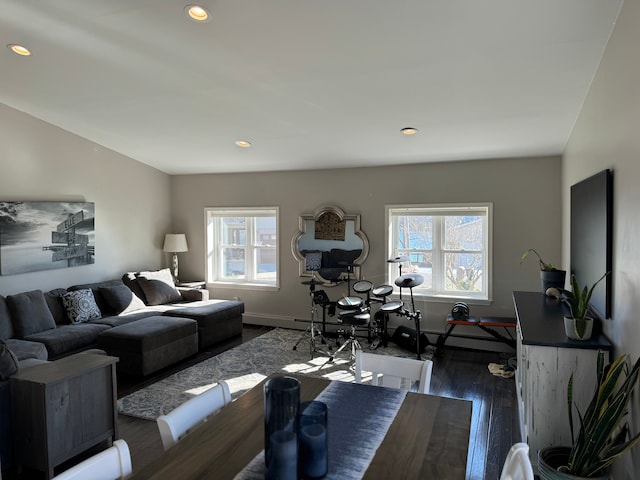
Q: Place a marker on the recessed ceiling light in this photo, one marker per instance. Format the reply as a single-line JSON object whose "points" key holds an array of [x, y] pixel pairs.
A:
{"points": [[409, 131], [197, 13], [19, 49], [243, 143]]}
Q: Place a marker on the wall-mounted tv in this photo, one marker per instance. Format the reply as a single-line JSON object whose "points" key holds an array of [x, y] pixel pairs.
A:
{"points": [[591, 237]]}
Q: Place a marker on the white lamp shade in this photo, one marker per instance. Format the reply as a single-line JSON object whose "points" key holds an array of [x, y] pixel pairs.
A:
{"points": [[175, 242]]}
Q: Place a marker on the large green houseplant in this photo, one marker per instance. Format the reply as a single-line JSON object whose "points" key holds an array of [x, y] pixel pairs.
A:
{"points": [[550, 276], [603, 435], [578, 324]]}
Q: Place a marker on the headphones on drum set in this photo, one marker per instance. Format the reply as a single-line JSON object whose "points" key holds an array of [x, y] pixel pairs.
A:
{"points": [[460, 311]]}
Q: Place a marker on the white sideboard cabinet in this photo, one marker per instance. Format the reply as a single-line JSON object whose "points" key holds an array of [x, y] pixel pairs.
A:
{"points": [[546, 360]]}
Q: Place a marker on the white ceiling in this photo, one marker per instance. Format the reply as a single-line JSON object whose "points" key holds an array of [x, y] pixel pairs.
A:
{"points": [[310, 83]]}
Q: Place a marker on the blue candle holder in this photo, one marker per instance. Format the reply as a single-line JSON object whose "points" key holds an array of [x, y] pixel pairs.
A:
{"points": [[281, 409], [313, 440]]}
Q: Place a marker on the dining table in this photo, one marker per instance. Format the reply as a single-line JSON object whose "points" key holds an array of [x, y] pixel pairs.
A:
{"points": [[376, 433]]}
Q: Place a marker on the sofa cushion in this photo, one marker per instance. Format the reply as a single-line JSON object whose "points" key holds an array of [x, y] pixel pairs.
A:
{"points": [[8, 361], [102, 303], [121, 299], [193, 294], [151, 343], [6, 327], [158, 287], [218, 320], [130, 279], [148, 334], [25, 349], [54, 301], [339, 258], [117, 320], [81, 306], [30, 313], [67, 339]]}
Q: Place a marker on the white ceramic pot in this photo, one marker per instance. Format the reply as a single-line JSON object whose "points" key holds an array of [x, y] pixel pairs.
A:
{"points": [[574, 329]]}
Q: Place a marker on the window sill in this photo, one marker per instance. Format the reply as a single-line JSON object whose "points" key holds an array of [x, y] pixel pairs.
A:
{"points": [[243, 286], [450, 299]]}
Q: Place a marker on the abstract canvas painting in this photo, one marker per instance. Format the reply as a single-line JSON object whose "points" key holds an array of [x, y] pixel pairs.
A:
{"points": [[38, 236]]}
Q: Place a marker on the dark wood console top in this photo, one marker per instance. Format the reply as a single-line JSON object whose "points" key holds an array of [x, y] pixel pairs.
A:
{"points": [[541, 323]]}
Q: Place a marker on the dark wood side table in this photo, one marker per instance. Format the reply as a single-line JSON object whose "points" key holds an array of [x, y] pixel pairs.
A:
{"points": [[63, 408]]}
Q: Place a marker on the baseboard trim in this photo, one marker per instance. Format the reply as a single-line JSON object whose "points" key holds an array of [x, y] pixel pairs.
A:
{"points": [[271, 321]]}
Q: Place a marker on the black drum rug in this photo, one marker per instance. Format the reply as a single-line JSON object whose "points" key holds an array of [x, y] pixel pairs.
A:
{"points": [[245, 366]]}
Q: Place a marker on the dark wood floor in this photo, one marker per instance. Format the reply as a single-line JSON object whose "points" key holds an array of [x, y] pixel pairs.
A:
{"points": [[495, 427], [457, 373]]}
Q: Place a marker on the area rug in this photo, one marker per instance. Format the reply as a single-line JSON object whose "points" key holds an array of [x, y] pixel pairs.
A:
{"points": [[245, 366]]}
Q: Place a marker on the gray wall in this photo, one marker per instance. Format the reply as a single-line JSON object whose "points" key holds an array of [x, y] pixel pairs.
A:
{"points": [[136, 205], [526, 200], [606, 136], [132, 206]]}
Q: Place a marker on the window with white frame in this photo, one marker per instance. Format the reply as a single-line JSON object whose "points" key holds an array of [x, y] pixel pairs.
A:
{"points": [[242, 246], [449, 245]]}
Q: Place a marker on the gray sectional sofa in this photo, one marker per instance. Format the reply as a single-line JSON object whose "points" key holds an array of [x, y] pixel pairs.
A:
{"points": [[44, 326]]}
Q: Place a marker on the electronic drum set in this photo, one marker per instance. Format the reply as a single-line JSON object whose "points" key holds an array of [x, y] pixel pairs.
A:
{"points": [[355, 311]]}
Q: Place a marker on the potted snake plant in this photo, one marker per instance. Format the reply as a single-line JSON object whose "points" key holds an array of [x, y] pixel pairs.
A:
{"points": [[550, 276], [604, 434], [578, 325]]}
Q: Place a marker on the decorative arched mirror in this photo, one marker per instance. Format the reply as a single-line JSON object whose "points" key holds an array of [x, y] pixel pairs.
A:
{"points": [[330, 244]]}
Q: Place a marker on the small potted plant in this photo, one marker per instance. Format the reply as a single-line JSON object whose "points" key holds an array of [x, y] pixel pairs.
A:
{"points": [[578, 325], [604, 434], [550, 276]]}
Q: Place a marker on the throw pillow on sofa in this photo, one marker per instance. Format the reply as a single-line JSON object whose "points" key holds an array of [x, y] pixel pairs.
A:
{"points": [[158, 287], [54, 302], [81, 306], [121, 299], [8, 361], [130, 279], [313, 259], [6, 327], [30, 313]]}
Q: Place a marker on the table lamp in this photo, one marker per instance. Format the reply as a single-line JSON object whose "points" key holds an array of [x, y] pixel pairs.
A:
{"points": [[174, 243]]}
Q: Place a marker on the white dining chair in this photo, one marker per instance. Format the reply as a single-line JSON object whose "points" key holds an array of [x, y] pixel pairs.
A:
{"points": [[395, 372], [114, 463], [177, 423], [517, 466]]}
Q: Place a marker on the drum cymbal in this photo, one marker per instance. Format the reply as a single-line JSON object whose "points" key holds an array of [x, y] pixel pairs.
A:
{"points": [[409, 280], [397, 260], [313, 281]]}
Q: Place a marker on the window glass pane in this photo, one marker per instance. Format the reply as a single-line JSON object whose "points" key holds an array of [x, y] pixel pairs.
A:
{"points": [[415, 232], [234, 231], [233, 262], [463, 271], [266, 231], [463, 233], [419, 262], [266, 263]]}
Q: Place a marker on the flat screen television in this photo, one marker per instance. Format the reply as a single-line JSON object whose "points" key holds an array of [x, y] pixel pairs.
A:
{"points": [[591, 237]]}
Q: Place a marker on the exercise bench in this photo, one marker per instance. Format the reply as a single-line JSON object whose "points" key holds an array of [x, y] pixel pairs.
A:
{"points": [[487, 324]]}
